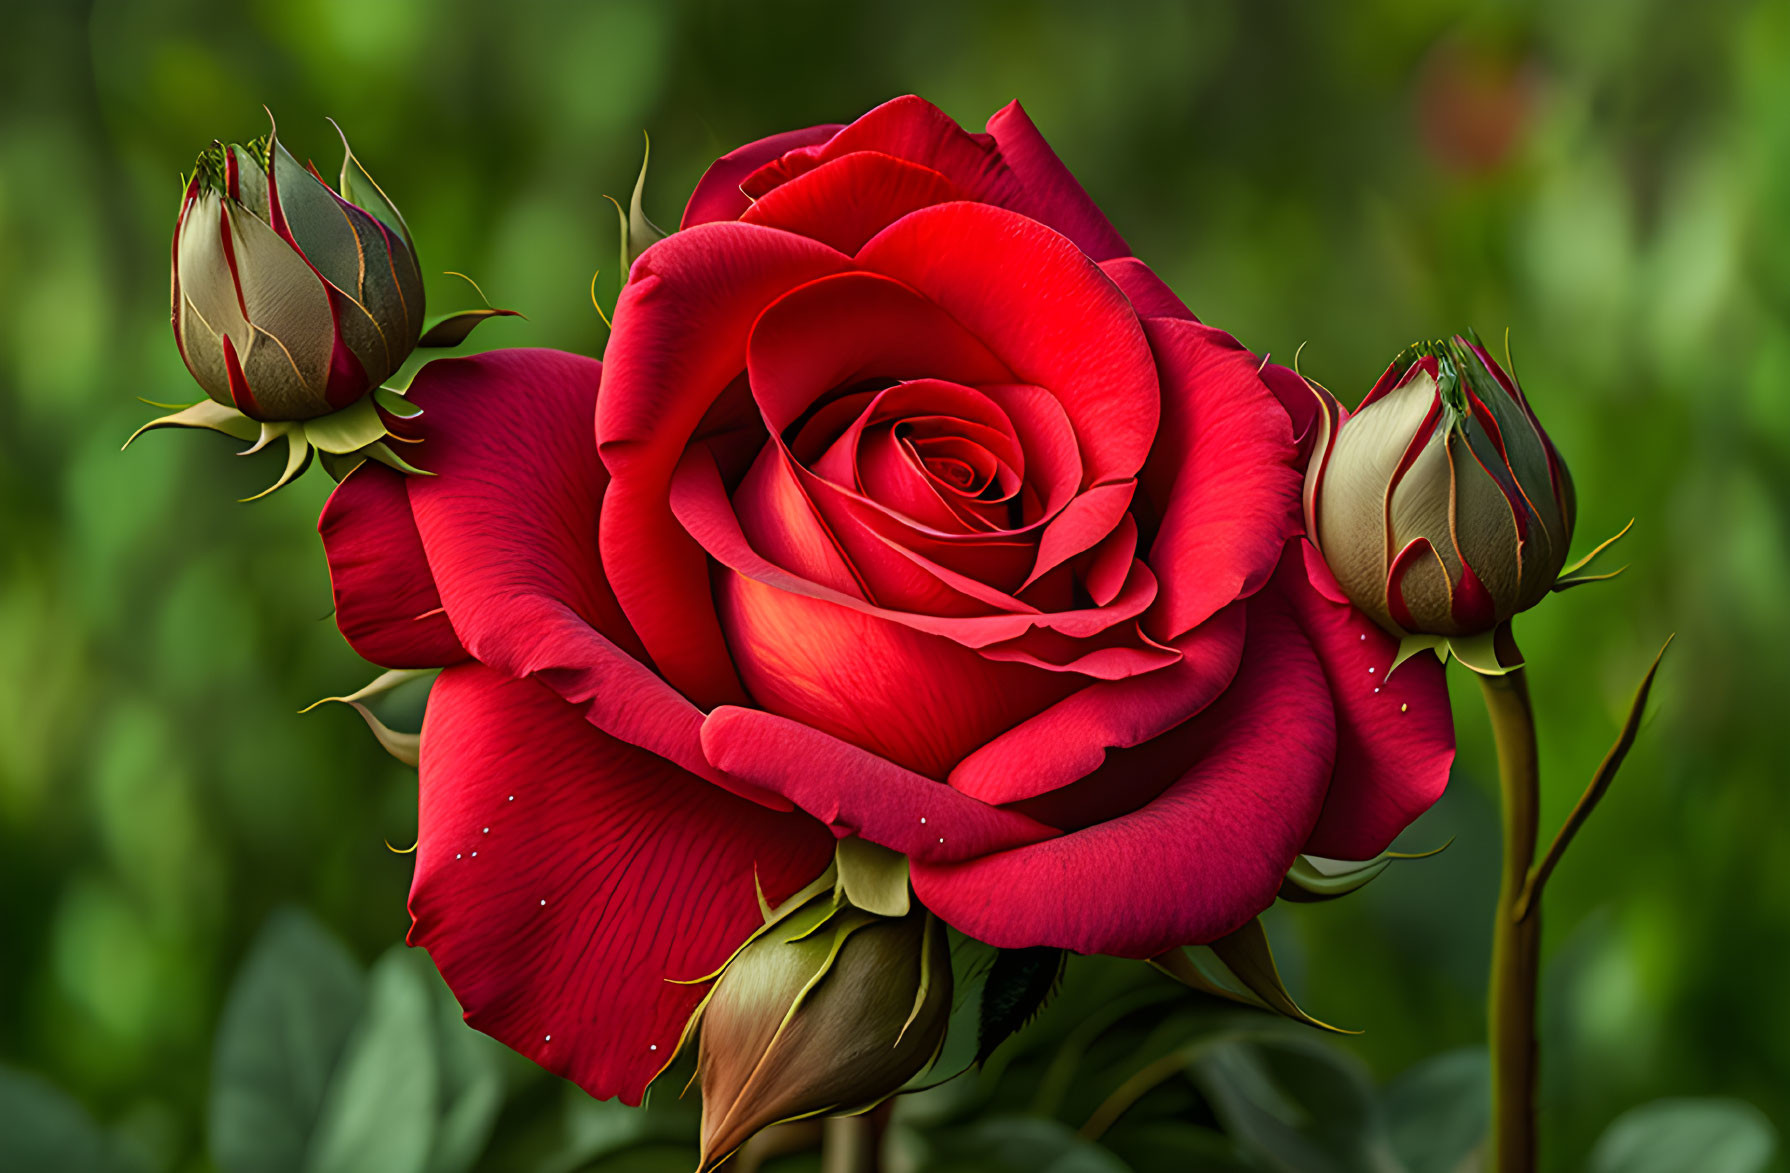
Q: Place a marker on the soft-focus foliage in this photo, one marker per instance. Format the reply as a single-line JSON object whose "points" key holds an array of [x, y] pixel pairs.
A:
{"points": [[1610, 181]]}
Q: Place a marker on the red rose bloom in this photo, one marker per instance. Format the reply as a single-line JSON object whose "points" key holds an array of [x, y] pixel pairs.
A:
{"points": [[916, 509]]}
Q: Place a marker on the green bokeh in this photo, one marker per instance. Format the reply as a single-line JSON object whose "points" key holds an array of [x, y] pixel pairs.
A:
{"points": [[1291, 169]]}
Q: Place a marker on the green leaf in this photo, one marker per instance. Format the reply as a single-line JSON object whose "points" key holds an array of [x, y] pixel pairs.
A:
{"points": [[472, 1086], [380, 1112], [642, 232], [394, 403], [1018, 985], [285, 1024], [1437, 1113], [1574, 575], [1298, 1106], [1021, 1144], [1687, 1136], [43, 1127]]}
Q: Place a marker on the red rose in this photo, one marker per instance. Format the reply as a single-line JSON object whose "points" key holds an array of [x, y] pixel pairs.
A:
{"points": [[917, 510]]}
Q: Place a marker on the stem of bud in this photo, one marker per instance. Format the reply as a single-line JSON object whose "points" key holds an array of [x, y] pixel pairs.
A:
{"points": [[1516, 937], [852, 1144]]}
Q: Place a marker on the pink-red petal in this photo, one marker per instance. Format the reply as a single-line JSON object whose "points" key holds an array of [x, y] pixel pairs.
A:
{"points": [[1222, 479], [1199, 859], [1394, 731], [386, 603], [567, 881], [1051, 193]]}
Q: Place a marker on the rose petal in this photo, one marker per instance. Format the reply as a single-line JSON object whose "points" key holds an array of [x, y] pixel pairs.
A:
{"points": [[1051, 193], [1198, 860], [908, 128], [566, 881], [718, 195], [1070, 739], [386, 603], [916, 699], [857, 792], [850, 199], [509, 524], [1066, 327], [1150, 297], [1222, 479], [680, 340], [1394, 731]]}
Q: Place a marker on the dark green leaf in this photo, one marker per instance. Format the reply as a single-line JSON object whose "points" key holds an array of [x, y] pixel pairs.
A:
{"points": [[287, 1020], [380, 1113], [453, 329], [1019, 983], [44, 1128], [1438, 1112], [1687, 1136]]}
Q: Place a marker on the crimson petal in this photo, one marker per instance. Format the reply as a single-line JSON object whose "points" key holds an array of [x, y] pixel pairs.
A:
{"points": [[1199, 859], [567, 881], [386, 602]]}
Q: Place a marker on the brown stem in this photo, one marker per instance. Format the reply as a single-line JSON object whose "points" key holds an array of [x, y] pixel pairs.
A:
{"points": [[1516, 937]]}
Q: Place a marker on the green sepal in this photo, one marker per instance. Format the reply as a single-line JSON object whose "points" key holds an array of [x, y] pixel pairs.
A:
{"points": [[871, 877], [1410, 645], [298, 453], [1476, 652], [348, 430], [452, 329], [206, 413], [1246, 954], [380, 685], [360, 189], [1480, 653], [1574, 575], [1306, 883], [642, 232], [393, 403], [1198, 968], [382, 452]]}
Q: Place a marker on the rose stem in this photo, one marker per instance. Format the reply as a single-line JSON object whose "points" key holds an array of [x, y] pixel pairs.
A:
{"points": [[853, 1144], [1516, 940]]}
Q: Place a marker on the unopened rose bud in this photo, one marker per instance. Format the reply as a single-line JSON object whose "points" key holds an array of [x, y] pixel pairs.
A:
{"points": [[1440, 505], [810, 1021], [290, 301]]}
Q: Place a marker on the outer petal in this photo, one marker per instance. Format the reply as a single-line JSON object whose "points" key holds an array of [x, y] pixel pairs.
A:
{"points": [[564, 878], [1222, 477], [718, 195], [509, 523], [386, 602], [1197, 861], [857, 792], [851, 199], [680, 339], [1394, 733], [1051, 193]]}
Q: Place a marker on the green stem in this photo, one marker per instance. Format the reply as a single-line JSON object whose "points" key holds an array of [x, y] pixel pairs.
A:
{"points": [[853, 1144], [1516, 933]]}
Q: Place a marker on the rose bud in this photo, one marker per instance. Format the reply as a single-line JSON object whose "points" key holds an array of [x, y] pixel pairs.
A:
{"points": [[817, 1020], [290, 301], [1440, 505]]}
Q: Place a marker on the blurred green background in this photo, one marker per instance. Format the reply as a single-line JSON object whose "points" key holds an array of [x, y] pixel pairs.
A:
{"points": [[1609, 180]]}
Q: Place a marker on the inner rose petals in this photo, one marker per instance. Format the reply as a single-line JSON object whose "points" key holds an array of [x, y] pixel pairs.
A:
{"points": [[835, 333], [914, 698], [1066, 327]]}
